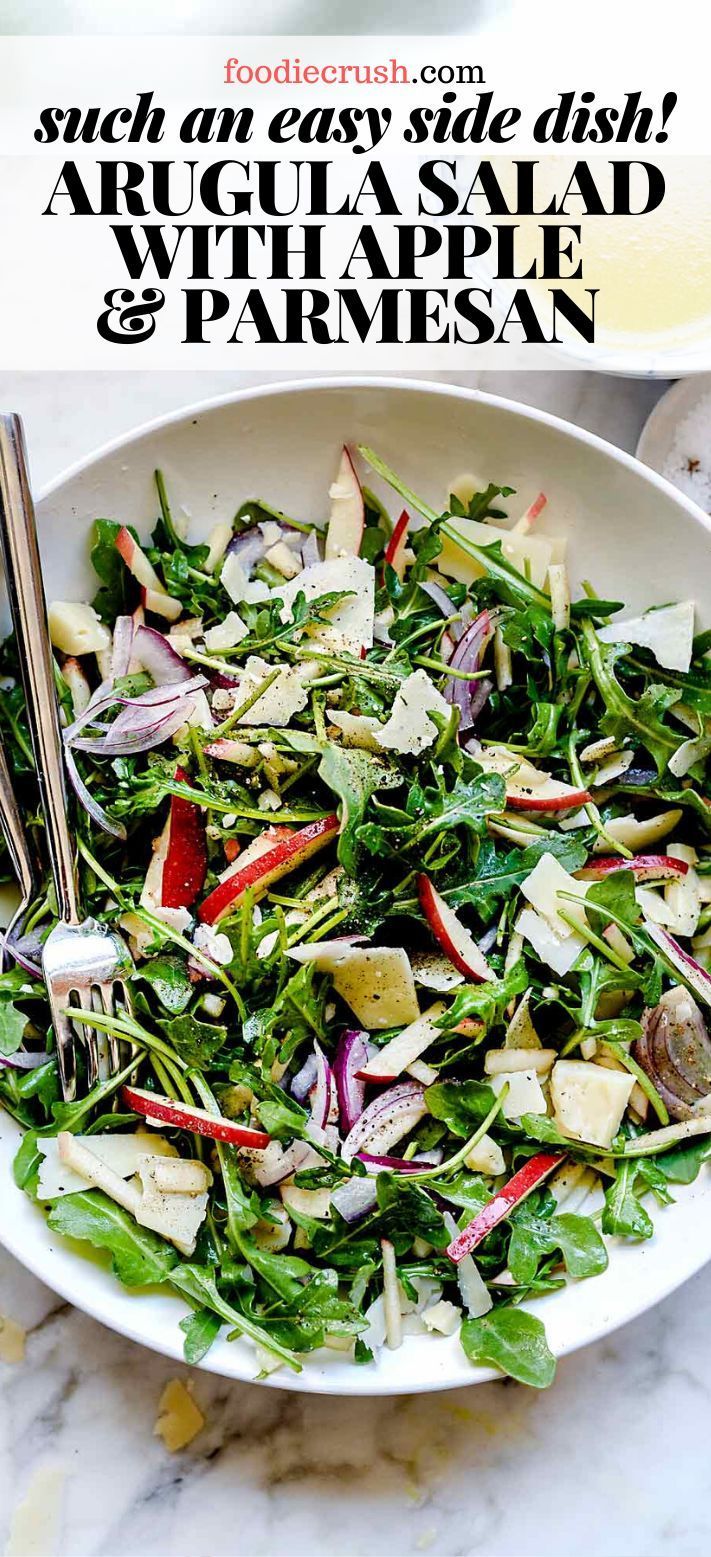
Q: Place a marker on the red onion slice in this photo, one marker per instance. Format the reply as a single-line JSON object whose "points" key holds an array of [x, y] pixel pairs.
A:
{"points": [[86, 799], [124, 628], [470, 696], [355, 1199], [440, 598], [351, 1056], [400, 1164], [386, 1120], [689, 969], [23, 1061], [159, 658], [324, 1101], [304, 1080], [249, 548]]}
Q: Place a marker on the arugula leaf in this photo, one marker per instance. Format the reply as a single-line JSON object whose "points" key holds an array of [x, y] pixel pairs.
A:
{"points": [[168, 978], [616, 893], [196, 1042], [624, 717], [198, 1284], [576, 1237], [461, 1104], [200, 1330], [499, 871], [353, 776], [113, 599], [409, 1213], [139, 1257], [624, 1214], [13, 1022], [486, 1001], [513, 1341]]}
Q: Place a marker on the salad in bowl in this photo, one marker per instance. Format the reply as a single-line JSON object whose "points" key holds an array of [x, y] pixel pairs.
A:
{"points": [[413, 856]]}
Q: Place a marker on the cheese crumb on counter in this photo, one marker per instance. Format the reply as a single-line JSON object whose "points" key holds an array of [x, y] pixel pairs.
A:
{"points": [[179, 1419]]}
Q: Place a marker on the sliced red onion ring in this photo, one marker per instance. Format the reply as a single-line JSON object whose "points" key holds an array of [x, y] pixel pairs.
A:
{"points": [[159, 657], [355, 1198], [249, 548], [324, 1099], [26, 951], [128, 742], [440, 598], [304, 1080], [470, 696], [23, 1061], [351, 1056], [86, 799], [277, 1162], [689, 969], [429, 1159], [311, 551], [124, 628], [386, 1120]]}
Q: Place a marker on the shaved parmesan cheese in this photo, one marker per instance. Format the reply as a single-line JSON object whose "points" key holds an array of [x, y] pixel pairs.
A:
{"points": [[391, 1296], [179, 1420], [75, 628], [498, 1061], [667, 632], [377, 983], [359, 730], [530, 554], [409, 730], [442, 1318], [176, 1216], [687, 755], [307, 1202], [287, 695], [598, 750], [588, 1101], [683, 897], [613, 768], [434, 971], [638, 835], [541, 888], [349, 625], [559, 952], [226, 634], [122, 1153], [234, 579], [486, 1157], [525, 1094], [521, 1033]]}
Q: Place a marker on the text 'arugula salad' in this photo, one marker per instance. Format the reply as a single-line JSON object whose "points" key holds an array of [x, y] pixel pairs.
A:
{"points": [[413, 855]]}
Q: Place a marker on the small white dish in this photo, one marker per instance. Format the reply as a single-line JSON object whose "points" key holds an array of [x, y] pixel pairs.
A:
{"points": [[628, 530], [672, 440]]}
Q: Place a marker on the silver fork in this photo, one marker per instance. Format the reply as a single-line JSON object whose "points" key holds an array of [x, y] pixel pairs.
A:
{"points": [[20, 853], [84, 963]]}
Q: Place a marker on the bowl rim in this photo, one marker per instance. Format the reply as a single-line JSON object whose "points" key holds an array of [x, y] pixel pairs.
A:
{"points": [[314, 382], [366, 1382]]}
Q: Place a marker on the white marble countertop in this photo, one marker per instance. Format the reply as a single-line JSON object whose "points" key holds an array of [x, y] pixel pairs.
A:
{"points": [[613, 1462]]}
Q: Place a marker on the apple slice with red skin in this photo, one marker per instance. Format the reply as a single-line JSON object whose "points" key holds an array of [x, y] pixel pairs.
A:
{"points": [[455, 940], [161, 604], [154, 596], [347, 521], [165, 1110], [551, 796], [644, 867], [398, 540], [185, 866], [533, 1173], [259, 873]]}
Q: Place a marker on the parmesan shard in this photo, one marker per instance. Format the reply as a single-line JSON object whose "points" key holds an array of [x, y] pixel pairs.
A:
{"points": [[409, 730], [347, 627], [287, 694], [179, 1419], [667, 632]]}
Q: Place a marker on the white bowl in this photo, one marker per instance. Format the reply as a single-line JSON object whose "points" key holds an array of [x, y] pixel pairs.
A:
{"points": [[628, 530]]}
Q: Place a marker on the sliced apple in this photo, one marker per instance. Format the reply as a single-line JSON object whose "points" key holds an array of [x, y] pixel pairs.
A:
{"points": [[644, 867], [395, 1057], [185, 863], [395, 549], [455, 940], [528, 1178], [345, 526], [161, 604], [165, 1110], [529, 788], [285, 856], [137, 562]]}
